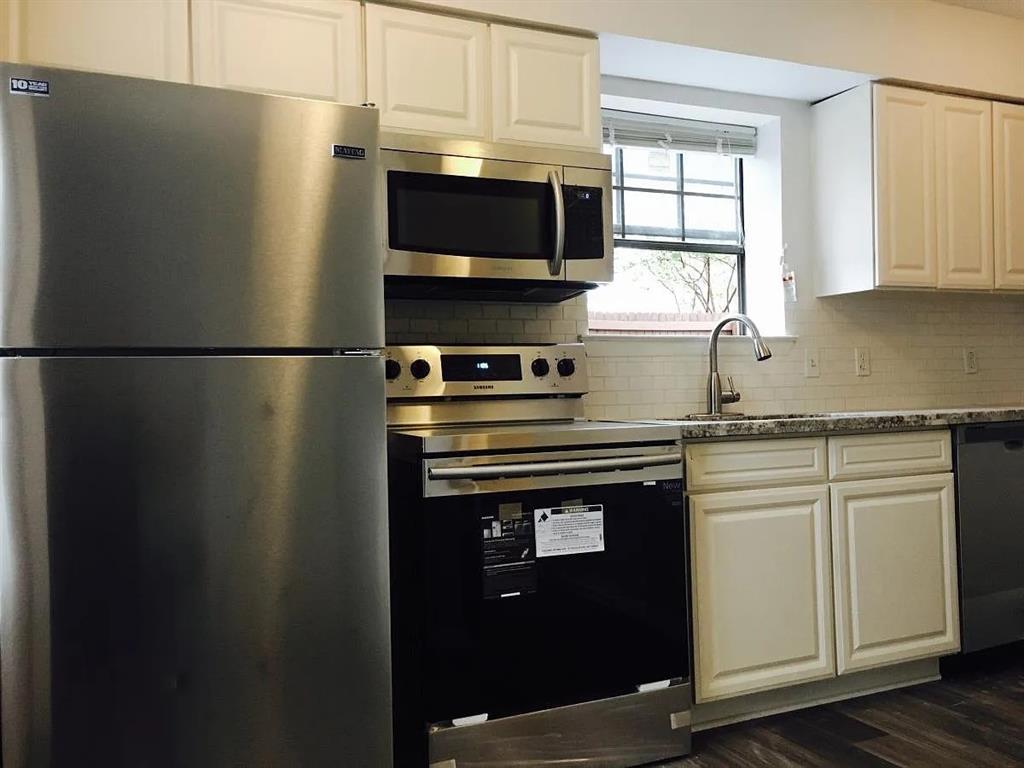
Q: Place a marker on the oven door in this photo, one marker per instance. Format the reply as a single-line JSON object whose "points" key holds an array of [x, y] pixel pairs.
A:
{"points": [[549, 591]]}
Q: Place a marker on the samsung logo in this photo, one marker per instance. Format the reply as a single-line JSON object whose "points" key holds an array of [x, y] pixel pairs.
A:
{"points": [[347, 152], [483, 386]]}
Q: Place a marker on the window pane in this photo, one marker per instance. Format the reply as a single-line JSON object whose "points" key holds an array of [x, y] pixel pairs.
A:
{"points": [[711, 219], [650, 168], [652, 215], [709, 174], [670, 292]]}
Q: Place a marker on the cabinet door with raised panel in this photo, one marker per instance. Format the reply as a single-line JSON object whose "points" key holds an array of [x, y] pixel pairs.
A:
{"points": [[546, 88], [427, 73], [145, 38], [762, 590], [894, 561], [905, 249], [1008, 184], [308, 48], [963, 191]]}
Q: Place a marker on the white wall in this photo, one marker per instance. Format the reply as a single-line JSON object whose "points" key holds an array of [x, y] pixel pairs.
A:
{"points": [[916, 40]]}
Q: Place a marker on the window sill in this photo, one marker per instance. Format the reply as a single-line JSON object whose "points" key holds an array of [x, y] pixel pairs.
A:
{"points": [[608, 345]]}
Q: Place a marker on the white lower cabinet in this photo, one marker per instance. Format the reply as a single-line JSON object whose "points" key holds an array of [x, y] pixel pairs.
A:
{"points": [[762, 590], [853, 571], [895, 576]]}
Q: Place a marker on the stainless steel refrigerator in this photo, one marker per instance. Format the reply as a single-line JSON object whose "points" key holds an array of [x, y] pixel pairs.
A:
{"points": [[193, 526]]}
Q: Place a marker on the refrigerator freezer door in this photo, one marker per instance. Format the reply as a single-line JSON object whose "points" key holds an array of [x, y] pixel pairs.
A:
{"points": [[194, 562], [138, 213]]}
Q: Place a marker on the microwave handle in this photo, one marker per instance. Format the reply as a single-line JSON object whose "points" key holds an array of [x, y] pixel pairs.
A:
{"points": [[555, 265]]}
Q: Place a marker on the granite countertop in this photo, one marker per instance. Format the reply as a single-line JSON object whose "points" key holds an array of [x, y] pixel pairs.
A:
{"points": [[861, 421]]}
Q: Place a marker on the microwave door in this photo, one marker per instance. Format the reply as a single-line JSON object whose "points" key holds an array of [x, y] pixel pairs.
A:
{"points": [[589, 243], [468, 217]]}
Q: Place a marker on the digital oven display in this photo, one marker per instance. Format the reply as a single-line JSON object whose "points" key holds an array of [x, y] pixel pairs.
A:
{"points": [[481, 368]]}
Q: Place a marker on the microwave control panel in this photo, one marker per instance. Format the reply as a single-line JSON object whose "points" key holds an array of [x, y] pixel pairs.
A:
{"points": [[584, 222]]}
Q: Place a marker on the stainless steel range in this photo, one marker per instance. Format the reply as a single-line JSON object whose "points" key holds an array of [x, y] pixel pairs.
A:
{"points": [[538, 566]]}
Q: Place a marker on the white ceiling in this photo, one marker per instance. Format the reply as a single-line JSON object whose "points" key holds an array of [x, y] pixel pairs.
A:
{"points": [[704, 68], [1013, 8]]}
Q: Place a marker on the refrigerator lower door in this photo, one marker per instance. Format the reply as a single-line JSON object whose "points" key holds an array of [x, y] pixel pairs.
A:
{"points": [[194, 562]]}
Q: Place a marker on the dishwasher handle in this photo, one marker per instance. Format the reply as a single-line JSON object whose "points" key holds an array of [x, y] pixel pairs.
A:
{"points": [[542, 468]]}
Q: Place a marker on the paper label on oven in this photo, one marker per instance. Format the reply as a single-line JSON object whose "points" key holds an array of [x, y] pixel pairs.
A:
{"points": [[569, 530]]}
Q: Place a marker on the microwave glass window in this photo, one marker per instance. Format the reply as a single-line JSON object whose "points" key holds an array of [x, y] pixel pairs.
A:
{"points": [[470, 216]]}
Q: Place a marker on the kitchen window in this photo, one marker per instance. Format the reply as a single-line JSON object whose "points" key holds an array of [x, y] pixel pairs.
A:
{"points": [[678, 227]]}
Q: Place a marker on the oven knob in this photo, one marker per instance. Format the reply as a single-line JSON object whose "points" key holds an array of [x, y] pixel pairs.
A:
{"points": [[566, 367], [391, 369], [420, 369], [540, 367]]}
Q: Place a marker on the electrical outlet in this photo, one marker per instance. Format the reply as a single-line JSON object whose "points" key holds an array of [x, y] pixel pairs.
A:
{"points": [[811, 368], [862, 361], [970, 360]]}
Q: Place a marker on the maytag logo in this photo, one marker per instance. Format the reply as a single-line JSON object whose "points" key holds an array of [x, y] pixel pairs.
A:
{"points": [[30, 87], [347, 152]]}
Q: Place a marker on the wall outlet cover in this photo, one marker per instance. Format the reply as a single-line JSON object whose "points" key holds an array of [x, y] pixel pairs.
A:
{"points": [[970, 360], [812, 366], [862, 361]]}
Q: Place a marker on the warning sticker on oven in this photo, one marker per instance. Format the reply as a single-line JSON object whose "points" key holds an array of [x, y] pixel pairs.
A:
{"points": [[569, 530]]}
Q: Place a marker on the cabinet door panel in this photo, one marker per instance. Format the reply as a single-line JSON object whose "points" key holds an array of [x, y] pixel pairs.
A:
{"points": [[963, 186], [139, 39], [755, 463], [762, 590], [856, 457], [905, 251], [1008, 182], [307, 48], [427, 73], [546, 88], [894, 562]]}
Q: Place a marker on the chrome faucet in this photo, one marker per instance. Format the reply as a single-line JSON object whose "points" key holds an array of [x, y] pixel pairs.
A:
{"points": [[716, 397]]}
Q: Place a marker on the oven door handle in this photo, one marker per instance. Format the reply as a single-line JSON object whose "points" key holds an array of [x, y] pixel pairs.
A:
{"points": [[557, 259], [535, 469]]}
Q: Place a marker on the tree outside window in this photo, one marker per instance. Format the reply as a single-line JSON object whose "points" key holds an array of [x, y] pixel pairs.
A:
{"points": [[678, 228]]}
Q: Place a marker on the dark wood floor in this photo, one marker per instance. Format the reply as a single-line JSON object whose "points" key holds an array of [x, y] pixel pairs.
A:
{"points": [[973, 717]]}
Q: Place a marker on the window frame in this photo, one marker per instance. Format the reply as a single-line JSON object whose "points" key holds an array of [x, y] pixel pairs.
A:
{"points": [[619, 190]]}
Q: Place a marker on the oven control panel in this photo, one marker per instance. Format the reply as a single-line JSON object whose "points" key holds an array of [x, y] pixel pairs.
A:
{"points": [[485, 371]]}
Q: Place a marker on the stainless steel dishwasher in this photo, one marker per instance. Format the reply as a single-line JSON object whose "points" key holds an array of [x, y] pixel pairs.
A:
{"points": [[990, 491]]}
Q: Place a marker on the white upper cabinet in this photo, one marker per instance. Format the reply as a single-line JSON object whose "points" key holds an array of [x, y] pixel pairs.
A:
{"points": [[963, 190], [905, 249], [1008, 185], [546, 88], [143, 38], [894, 560], [427, 73], [936, 178], [308, 48]]}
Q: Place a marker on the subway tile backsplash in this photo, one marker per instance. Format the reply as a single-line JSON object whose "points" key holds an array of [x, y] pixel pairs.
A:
{"points": [[916, 343], [460, 322]]}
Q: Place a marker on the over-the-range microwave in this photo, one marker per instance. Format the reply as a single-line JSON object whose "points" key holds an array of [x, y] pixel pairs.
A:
{"points": [[466, 219]]}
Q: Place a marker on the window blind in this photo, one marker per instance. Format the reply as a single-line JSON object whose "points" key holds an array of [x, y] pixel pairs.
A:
{"points": [[635, 129]]}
